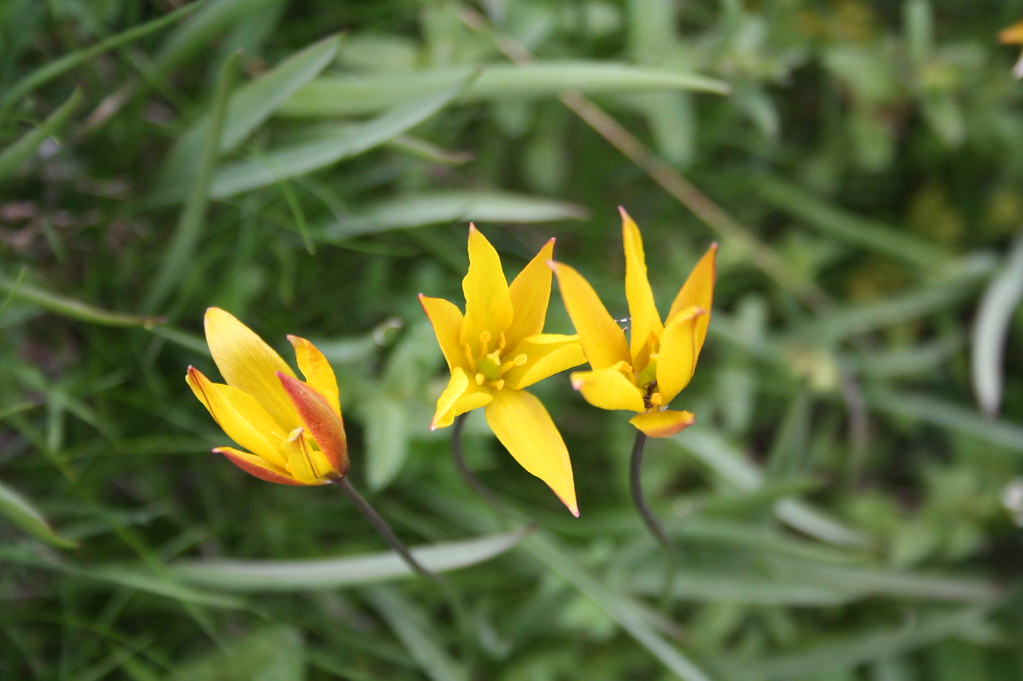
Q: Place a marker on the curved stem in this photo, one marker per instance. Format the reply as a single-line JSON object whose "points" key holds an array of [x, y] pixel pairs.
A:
{"points": [[639, 500], [388, 535], [470, 478]]}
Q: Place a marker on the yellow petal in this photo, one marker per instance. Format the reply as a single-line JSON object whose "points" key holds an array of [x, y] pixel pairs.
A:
{"points": [[526, 430], [253, 465], [602, 339], [698, 291], [317, 371], [1013, 35], [447, 326], [239, 415], [662, 423], [461, 395], [530, 293], [249, 364], [546, 354], [644, 319], [609, 388], [321, 420], [488, 305], [676, 360]]}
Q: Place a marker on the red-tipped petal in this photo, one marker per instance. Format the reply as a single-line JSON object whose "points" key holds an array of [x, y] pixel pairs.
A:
{"points": [[258, 468], [322, 422]]}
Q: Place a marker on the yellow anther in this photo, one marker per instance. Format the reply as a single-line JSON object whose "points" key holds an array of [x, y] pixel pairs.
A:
{"points": [[497, 385], [480, 379]]}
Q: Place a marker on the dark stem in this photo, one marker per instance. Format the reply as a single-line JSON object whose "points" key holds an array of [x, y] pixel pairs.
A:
{"points": [[636, 485], [470, 478], [388, 535], [385, 531]]}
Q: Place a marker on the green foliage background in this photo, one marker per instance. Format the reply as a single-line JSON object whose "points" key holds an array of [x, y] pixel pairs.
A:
{"points": [[843, 509]]}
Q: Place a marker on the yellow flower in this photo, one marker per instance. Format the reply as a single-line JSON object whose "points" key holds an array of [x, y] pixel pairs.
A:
{"points": [[496, 350], [1013, 35], [645, 373], [292, 429]]}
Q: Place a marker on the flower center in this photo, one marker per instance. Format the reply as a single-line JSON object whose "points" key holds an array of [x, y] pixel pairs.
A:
{"points": [[491, 365]]}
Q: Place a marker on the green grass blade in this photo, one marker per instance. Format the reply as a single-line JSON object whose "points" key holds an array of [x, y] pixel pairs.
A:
{"points": [[194, 36], [24, 515], [69, 61], [990, 329], [328, 146], [624, 611], [412, 626], [730, 465], [344, 96], [71, 308], [335, 573], [868, 583], [247, 109], [859, 647], [939, 295], [12, 156], [945, 415], [175, 263], [841, 226], [160, 585], [417, 210]]}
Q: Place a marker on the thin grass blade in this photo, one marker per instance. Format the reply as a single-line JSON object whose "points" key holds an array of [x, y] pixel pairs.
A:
{"points": [[336, 573], [12, 156], [1000, 301], [344, 96]]}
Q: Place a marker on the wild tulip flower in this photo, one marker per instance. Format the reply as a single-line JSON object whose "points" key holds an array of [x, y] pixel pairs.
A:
{"points": [[496, 350], [645, 372], [292, 428]]}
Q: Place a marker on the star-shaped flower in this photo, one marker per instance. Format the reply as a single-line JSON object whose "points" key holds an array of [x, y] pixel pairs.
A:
{"points": [[496, 350], [643, 373]]}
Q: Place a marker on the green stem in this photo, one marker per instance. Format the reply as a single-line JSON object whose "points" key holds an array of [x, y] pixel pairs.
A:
{"points": [[388, 535], [636, 485], [470, 478]]}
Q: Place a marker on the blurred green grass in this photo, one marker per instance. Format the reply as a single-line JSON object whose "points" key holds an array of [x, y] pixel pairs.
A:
{"points": [[847, 505]]}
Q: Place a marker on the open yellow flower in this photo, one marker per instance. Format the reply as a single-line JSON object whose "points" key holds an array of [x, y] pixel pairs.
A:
{"points": [[496, 350], [292, 429], [644, 373]]}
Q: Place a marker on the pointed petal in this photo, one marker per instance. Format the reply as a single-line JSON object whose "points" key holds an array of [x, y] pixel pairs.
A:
{"points": [[317, 371], [253, 465], [488, 305], [698, 291], [323, 423], [545, 354], [530, 293], [1012, 35], [461, 395], [676, 359], [239, 415], [663, 423], [644, 319], [249, 364], [602, 339], [526, 430], [446, 319], [609, 388]]}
